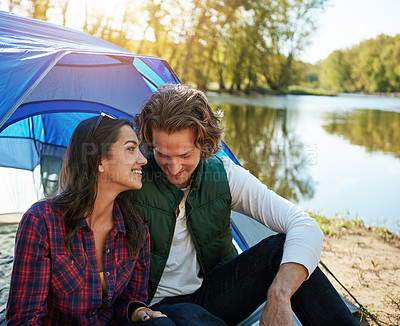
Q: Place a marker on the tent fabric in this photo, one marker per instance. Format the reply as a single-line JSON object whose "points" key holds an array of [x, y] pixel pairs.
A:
{"points": [[26, 143], [31, 48]]}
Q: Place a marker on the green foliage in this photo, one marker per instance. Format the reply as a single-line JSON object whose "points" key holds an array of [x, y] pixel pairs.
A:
{"points": [[336, 71], [329, 225], [371, 66], [238, 45], [306, 74], [383, 232]]}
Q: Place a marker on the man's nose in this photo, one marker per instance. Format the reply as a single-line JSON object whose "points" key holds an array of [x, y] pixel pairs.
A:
{"points": [[174, 166]]}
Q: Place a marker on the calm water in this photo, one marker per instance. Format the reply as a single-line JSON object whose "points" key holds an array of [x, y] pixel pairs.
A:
{"points": [[336, 155]]}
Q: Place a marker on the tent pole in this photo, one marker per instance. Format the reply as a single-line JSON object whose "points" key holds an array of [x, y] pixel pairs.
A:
{"points": [[362, 308]]}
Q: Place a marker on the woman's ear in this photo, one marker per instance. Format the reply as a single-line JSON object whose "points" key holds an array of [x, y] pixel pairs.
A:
{"points": [[101, 168]]}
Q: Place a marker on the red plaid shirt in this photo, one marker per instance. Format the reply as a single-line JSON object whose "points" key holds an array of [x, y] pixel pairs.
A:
{"points": [[52, 287]]}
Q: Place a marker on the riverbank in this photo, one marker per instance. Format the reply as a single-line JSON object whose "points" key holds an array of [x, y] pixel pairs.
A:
{"points": [[291, 90], [262, 90], [366, 261]]}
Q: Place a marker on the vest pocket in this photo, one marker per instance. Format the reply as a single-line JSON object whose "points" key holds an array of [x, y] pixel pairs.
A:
{"points": [[68, 273]]}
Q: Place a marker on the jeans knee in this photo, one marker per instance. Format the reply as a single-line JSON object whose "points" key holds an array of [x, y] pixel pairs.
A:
{"points": [[184, 314], [163, 321]]}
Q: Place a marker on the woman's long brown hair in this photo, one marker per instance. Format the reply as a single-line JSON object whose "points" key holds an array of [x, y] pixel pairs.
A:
{"points": [[89, 144]]}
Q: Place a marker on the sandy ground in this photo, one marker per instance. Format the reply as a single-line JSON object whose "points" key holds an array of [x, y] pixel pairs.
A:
{"points": [[12, 218], [368, 265]]}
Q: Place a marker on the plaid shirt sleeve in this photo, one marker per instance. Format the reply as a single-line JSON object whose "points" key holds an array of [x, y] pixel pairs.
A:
{"points": [[136, 291], [30, 277]]}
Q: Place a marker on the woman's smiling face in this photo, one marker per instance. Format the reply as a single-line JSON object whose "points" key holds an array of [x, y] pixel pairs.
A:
{"points": [[122, 168]]}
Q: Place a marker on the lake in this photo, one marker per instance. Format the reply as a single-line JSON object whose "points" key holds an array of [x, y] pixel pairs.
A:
{"points": [[330, 155]]}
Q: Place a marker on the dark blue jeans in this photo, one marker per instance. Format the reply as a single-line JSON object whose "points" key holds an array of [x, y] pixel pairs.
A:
{"points": [[233, 291], [162, 321]]}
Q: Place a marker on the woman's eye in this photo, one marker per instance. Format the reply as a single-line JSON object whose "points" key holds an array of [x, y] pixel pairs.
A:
{"points": [[131, 148]]}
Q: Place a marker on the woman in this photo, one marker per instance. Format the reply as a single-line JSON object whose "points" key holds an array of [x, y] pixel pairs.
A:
{"points": [[82, 256]]}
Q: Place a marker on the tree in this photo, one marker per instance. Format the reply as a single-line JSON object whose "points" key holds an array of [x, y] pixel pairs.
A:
{"points": [[371, 66], [287, 30], [336, 71], [234, 43]]}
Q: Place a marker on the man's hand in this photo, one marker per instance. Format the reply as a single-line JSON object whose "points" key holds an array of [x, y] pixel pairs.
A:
{"points": [[278, 310]]}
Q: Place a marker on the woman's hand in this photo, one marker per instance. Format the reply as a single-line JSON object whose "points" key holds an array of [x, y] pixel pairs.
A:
{"points": [[146, 314]]}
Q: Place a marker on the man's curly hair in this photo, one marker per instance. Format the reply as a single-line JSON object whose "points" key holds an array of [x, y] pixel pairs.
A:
{"points": [[176, 107]]}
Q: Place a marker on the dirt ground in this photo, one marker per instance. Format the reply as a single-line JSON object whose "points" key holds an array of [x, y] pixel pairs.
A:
{"points": [[368, 265]]}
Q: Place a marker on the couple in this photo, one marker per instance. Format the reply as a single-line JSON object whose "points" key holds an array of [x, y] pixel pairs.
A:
{"points": [[82, 257]]}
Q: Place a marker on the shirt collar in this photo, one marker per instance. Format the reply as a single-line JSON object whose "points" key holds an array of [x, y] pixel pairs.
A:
{"points": [[119, 224]]}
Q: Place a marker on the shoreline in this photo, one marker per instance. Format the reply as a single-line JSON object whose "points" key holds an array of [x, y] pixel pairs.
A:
{"points": [[297, 90]]}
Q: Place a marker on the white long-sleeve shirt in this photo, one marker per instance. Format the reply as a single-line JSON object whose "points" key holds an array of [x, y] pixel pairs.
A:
{"points": [[250, 197]]}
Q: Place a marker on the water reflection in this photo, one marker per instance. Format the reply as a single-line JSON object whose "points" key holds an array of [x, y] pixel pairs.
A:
{"points": [[375, 130], [259, 138]]}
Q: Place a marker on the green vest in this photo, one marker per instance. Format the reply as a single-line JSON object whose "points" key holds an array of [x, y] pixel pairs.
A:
{"points": [[208, 209]]}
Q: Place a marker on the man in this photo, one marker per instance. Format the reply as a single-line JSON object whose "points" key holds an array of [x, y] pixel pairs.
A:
{"points": [[196, 277]]}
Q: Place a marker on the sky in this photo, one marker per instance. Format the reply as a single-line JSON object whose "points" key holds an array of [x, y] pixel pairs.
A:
{"points": [[348, 22]]}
